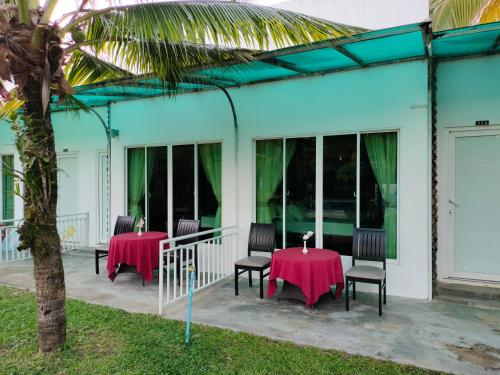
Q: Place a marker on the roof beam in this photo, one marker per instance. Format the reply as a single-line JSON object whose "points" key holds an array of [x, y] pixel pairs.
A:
{"points": [[349, 55], [467, 30], [331, 43], [283, 64]]}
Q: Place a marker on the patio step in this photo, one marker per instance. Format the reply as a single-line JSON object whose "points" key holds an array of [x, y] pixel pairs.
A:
{"points": [[472, 295]]}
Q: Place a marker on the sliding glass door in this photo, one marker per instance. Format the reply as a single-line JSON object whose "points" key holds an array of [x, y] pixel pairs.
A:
{"points": [[300, 189], [196, 186], [379, 185], [157, 189], [339, 192], [269, 185], [183, 182], [358, 176], [210, 185]]}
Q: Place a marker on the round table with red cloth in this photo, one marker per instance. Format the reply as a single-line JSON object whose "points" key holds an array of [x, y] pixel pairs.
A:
{"points": [[142, 252], [313, 272]]}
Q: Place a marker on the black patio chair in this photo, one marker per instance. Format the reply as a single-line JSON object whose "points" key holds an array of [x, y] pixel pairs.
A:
{"points": [[124, 224], [260, 239], [370, 245], [184, 228]]}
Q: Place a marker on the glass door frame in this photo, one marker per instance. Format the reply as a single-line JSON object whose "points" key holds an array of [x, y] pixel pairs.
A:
{"points": [[319, 181], [170, 166], [453, 134]]}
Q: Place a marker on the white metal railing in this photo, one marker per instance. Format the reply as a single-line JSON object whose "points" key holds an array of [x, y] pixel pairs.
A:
{"points": [[73, 231], [214, 257]]}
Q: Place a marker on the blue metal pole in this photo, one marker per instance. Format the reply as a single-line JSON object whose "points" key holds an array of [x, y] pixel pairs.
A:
{"points": [[190, 302]]}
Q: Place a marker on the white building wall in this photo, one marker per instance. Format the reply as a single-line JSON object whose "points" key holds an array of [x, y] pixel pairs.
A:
{"points": [[467, 91]]}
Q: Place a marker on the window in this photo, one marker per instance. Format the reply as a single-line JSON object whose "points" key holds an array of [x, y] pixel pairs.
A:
{"points": [[359, 187], [7, 168], [194, 195]]}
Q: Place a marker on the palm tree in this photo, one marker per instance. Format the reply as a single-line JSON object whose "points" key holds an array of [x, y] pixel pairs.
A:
{"points": [[43, 58], [452, 14]]}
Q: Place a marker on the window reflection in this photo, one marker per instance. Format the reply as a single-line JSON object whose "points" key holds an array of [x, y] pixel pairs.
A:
{"points": [[339, 192], [300, 185], [157, 189], [269, 184], [183, 182]]}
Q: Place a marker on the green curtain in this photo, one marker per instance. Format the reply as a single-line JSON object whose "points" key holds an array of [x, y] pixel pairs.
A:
{"points": [[211, 157], [382, 153], [7, 168], [135, 182], [269, 165]]}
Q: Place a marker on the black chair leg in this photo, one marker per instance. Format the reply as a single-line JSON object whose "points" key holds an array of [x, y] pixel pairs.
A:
{"points": [[353, 290], [261, 277], [385, 291], [235, 281], [178, 270], [250, 278], [96, 263], [380, 299], [196, 261], [347, 295]]}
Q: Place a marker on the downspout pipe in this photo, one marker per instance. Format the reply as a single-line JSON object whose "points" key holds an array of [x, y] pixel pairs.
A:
{"points": [[235, 125], [107, 129]]}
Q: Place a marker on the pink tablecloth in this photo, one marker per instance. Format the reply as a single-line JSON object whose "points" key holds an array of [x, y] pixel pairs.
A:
{"points": [[313, 273], [139, 251]]}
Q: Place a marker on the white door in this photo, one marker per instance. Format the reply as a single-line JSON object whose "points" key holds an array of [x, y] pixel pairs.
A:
{"points": [[67, 203], [474, 204]]}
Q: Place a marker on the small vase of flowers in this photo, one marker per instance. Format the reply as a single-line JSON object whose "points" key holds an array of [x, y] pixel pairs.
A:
{"points": [[306, 236], [140, 226]]}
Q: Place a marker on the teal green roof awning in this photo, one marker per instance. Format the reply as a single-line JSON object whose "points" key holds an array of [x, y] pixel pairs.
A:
{"points": [[398, 44], [467, 41]]}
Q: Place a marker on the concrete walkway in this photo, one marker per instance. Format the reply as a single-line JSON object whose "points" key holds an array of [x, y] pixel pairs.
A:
{"points": [[439, 335]]}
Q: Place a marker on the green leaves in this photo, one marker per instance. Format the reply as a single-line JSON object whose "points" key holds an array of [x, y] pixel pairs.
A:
{"points": [[84, 68], [163, 39], [451, 14]]}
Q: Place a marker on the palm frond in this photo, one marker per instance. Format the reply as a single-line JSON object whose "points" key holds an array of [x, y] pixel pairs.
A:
{"points": [[10, 108], [452, 14], [163, 39], [84, 68], [489, 13]]}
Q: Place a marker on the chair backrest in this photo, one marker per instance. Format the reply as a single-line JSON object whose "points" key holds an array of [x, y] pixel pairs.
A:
{"points": [[368, 244], [124, 224], [185, 227], [261, 238]]}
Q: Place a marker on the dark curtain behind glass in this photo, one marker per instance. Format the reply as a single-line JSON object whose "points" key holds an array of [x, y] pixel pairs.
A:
{"points": [[157, 189], [339, 192], [183, 182]]}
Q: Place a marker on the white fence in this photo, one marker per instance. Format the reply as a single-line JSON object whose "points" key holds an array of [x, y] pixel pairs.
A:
{"points": [[73, 231], [212, 257]]}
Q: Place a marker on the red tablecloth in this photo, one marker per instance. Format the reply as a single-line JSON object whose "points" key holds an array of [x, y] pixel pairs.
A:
{"points": [[313, 273], [139, 251]]}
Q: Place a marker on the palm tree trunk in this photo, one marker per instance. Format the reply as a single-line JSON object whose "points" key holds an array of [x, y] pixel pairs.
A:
{"points": [[39, 230]]}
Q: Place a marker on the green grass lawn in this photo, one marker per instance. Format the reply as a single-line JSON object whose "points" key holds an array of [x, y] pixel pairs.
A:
{"points": [[102, 340]]}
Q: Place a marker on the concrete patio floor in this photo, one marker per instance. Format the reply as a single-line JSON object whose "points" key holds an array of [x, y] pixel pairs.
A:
{"points": [[440, 335]]}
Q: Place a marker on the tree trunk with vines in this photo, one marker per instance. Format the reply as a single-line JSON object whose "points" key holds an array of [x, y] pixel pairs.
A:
{"points": [[39, 230]]}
